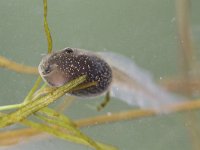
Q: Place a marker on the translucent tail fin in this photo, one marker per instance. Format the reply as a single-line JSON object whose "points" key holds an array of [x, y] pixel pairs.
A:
{"points": [[134, 85]]}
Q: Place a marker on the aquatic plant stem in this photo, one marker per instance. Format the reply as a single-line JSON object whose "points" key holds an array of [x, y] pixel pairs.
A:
{"points": [[183, 9], [59, 133], [33, 95], [28, 97], [14, 106], [32, 91], [138, 113], [33, 106], [64, 124], [46, 28], [113, 117], [56, 123], [11, 65], [185, 34]]}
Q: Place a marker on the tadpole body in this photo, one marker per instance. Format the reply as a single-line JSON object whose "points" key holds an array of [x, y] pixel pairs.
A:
{"points": [[63, 66]]}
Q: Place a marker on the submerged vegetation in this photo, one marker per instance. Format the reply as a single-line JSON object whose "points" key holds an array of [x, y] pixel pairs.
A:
{"points": [[51, 121], [55, 123]]}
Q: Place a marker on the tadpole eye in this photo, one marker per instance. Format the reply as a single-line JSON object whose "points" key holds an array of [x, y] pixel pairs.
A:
{"points": [[68, 50]]}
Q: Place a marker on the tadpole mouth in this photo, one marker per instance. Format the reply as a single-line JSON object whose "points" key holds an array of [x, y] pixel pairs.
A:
{"points": [[46, 68]]}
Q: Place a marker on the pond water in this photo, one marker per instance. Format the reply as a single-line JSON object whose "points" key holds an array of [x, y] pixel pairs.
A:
{"points": [[144, 31]]}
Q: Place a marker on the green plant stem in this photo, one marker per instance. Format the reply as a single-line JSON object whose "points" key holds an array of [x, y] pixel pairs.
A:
{"points": [[68, 130], [62, 135], [64, 122], [33, 106], [7, 107], [32, 91], [46, 28], [50, 130], [27, 98], [55, 116]]}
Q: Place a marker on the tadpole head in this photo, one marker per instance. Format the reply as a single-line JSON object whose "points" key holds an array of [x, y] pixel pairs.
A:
{"points": [[46, 67], [50, 71]]}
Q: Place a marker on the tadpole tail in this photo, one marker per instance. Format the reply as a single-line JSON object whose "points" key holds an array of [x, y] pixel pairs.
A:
{"points": [[135, 85]]}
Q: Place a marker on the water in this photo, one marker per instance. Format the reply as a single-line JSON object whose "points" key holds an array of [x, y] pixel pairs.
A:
{"points": [[142, 30]]}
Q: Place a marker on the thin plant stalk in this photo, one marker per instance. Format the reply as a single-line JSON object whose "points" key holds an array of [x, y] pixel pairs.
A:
{"points": [[27, 98], [46, 28], [34, 88], [33, 106], [11, 65], [188, 59]]}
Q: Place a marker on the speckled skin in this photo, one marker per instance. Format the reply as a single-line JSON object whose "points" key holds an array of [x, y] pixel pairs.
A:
{"points": [[62, 66]]}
